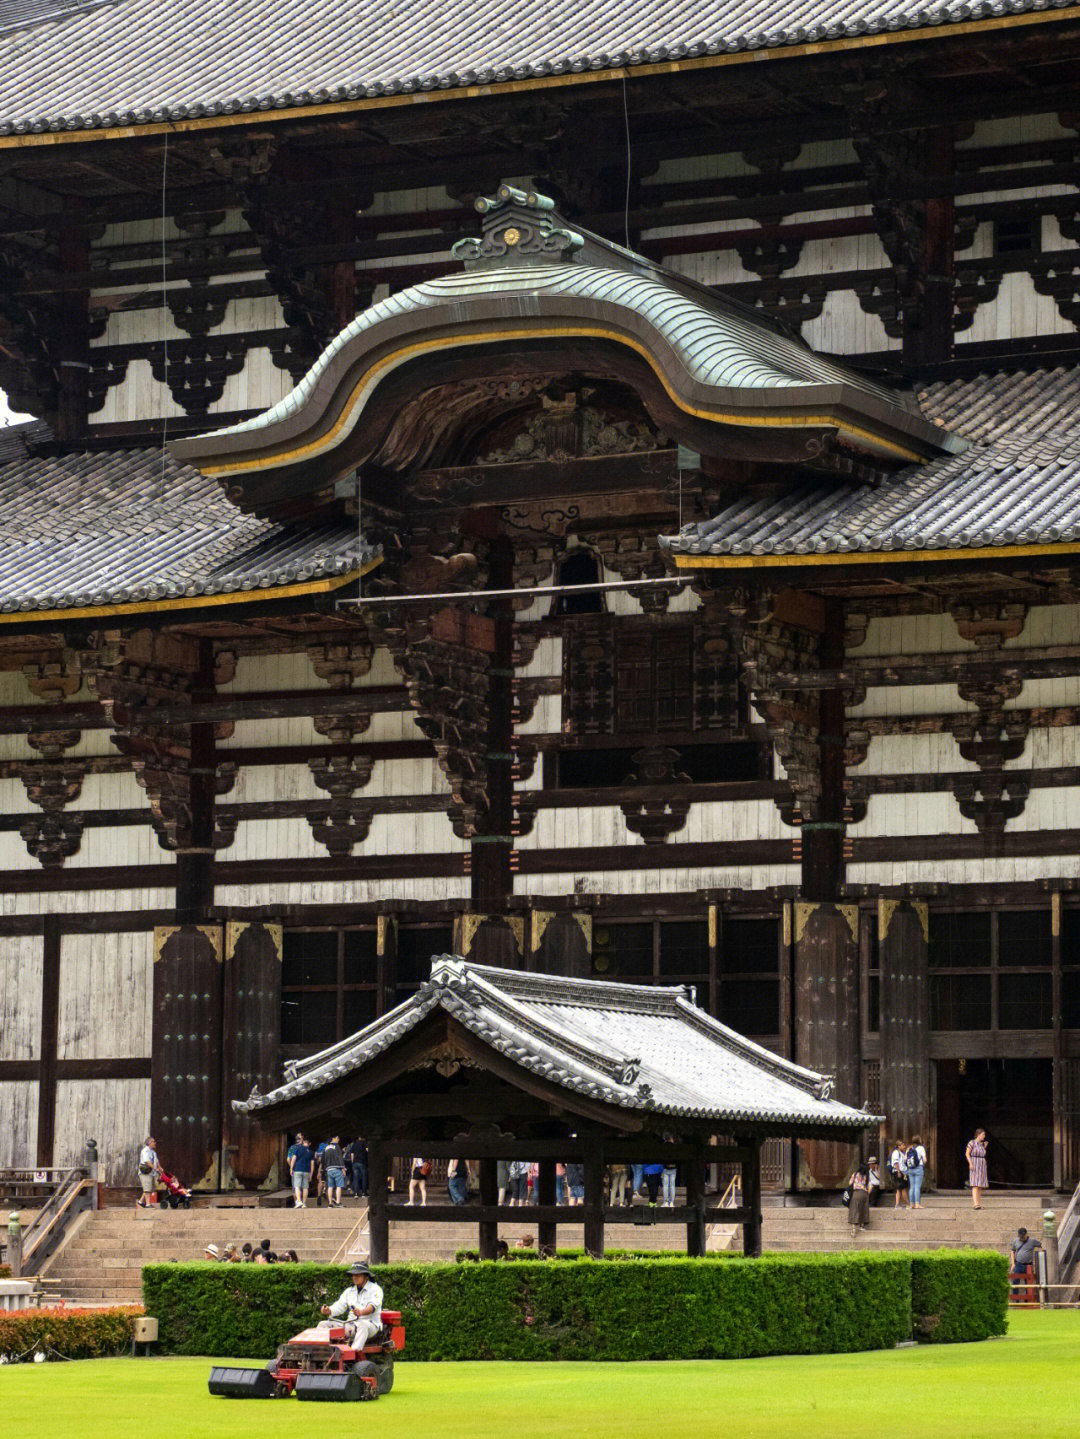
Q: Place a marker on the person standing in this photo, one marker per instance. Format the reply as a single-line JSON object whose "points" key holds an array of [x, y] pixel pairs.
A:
{"points": [[356, 1157], [519, 1181], [149, 1169], [653, 1174], [898, 1170], [575, 1183], [1023, 1258], [668, 1178], [299, 1160], [421, 1168], [975, 1154], [916, 1170], [873, 1185], [333, 1162], [457, 1181], [859, 1206], [617, 1185]]}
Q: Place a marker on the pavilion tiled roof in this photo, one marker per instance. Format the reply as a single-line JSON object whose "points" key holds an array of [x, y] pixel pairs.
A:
{"points": [[134, 62], [644, 1048], [120, 527], [1018, 483]]}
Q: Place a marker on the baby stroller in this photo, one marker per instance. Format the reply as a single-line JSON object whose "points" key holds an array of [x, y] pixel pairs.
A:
{"points": [[175, 1196]]}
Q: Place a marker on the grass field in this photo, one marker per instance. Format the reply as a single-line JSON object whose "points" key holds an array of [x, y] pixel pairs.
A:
{"points": [[1026, 1386]]}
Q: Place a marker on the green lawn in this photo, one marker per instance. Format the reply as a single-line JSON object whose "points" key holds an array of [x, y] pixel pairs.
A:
{"points": [[1024, 1387]]}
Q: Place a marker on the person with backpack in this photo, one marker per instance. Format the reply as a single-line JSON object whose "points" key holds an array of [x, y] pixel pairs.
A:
{"points": [[898, 1171], [859, 1203], [915, 1163]]}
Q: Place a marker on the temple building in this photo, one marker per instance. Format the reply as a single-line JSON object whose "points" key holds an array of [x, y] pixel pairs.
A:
{"points": [[592, 493]]}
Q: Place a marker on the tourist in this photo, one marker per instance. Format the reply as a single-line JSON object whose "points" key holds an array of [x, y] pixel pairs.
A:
{"points": [[616, 1181], [637, 1172], [247, 1252], [916, 1169], [898, 1170], [457, 1181], [333, 1163], [575, 1183], [1023, 1260], [668, 1180], [212, 1253], [421, 1168], [232, 1254], [653, 1173], [502, 1182], [149, 1168], [360, 1305], [874, 1181], [534, 1183], [859, 1205], [289, 1257], [975, 1154], [299, 1160], [318, 1173], [562, 1193], [356, 1157], [519, 1181]]}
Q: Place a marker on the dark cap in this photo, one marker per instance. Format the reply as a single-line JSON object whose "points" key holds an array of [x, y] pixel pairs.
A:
{"points": [[359, 1266]]}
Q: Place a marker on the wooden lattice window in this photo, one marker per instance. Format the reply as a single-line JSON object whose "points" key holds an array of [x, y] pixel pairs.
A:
{"points": [[654, 680]]}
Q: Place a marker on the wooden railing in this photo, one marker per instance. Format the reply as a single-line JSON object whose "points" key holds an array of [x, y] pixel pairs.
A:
{"points": [[66, 1192], [1069, 1239]]}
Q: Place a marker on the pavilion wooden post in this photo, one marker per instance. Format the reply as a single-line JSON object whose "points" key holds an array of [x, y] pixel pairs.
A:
{"points": [[546, 1229], [378, 1209], [751, 1195], [489, 1195], [695, 1201], [594, 1200]]}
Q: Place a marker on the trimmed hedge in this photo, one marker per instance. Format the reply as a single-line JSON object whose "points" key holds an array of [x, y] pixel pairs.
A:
{"points": [[958, 1295], [586, 1309], [71, 1333]]}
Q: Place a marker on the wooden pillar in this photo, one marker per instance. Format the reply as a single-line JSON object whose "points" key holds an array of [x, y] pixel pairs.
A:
{"points": [[594, 1199], [695, 1200], [50, 1028], [714, 960], [827, 1020], [928, 313], [385, 963], [492, 883], [194, 859], [905, 1016], [378, 1209], [489, 1195], [751, 1197], [547, 1229], [1058, 1075], [73, 328]]}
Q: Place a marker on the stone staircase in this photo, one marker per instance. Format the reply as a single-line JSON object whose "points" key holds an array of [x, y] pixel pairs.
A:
{"points": [[946, 1220], [101, 1261]]}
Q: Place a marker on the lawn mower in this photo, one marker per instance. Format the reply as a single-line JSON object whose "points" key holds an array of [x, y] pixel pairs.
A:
{"points": [[320, 1363]]}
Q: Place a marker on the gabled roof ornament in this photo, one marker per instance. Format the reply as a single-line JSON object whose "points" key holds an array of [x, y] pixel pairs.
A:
{"points": [[519, 227]]}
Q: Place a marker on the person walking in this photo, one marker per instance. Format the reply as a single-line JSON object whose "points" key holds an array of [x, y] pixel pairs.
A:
{"points": [[859, 1206], [898, 1170], [299, 1159], [916, 1170], [975, 1154], [668, 1181], [334, 1166], [149, 1169]]}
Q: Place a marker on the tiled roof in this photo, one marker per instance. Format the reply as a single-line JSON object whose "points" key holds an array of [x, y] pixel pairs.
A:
{"points": [[643, 1048], [1017, 484], [136, 61], [20, 13], [116, 528]]}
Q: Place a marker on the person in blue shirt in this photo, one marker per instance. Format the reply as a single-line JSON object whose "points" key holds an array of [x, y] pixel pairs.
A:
{"points": [[299, 1161]]}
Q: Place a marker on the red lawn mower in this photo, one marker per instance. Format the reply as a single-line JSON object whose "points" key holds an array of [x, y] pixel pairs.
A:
{"points": [[320, 1363]]}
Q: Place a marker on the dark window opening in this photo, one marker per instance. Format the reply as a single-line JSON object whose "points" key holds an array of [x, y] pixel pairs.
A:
{"points": [[1024, 938], [579, 568], [960, 1001], [1017, 233], [749, 982], [1025, 1001], [727, 762], [623, 951], [960, 941], [416, 946], [684, 950], [328, 985]]}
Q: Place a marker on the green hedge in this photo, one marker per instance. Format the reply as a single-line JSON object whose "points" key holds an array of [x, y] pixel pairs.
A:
{"points": [[68, 1333], [584, 1309], [958, 1295]]}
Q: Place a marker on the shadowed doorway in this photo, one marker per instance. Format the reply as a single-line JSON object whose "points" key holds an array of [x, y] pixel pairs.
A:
{"points": [[1012, 1099]]}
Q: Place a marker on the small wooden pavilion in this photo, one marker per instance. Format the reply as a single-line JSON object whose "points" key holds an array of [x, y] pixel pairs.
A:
{"points": [[489, 1064]]}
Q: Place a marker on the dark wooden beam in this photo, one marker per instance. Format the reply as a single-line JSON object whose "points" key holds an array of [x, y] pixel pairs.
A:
{"points": [[50, 1028]]}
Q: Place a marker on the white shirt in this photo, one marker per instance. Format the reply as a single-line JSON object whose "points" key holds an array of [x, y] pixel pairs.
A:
{"points": [[352, 1299], [916, 1157], [148, 1156]]}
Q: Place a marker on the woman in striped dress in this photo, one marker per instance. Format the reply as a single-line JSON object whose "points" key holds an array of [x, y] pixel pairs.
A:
{"points": [[975, 1154]]}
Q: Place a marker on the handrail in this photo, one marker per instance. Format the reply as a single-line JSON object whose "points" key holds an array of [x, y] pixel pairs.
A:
{"points": [[1069, 1236], [345, 1245], [731, 1197], [48, 1226]]}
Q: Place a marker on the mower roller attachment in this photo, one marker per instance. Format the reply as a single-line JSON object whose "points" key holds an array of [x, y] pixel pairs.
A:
{"points": [[334, 1387], [242, 1383]]}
